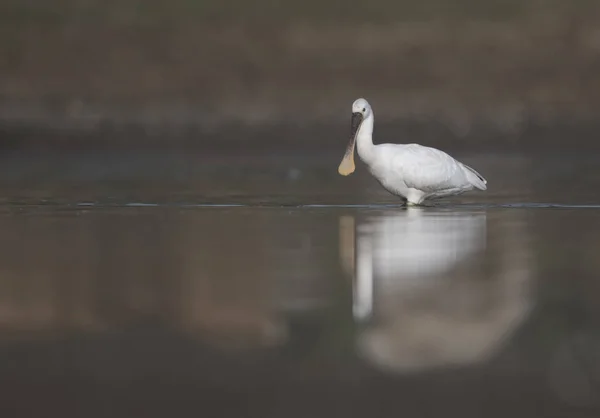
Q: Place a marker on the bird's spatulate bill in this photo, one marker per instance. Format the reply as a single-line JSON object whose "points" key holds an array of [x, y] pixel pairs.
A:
{"points": [[347, 165]]}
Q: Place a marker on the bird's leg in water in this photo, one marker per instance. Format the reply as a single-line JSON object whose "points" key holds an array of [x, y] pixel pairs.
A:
{"points": [[420, 205]]}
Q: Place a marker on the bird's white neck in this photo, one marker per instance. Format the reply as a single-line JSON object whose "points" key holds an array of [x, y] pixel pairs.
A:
{"points": [[364, 139]]}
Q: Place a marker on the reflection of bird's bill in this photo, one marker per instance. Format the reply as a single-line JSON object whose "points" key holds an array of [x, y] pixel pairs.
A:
{"points": [[347, 165], [347, 237]]}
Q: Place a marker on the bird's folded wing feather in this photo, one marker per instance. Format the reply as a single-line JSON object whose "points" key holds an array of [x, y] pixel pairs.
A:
{"points": [[426, 169]]}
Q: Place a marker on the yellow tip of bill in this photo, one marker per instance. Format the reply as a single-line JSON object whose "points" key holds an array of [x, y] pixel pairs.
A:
{"points": [[347, 165]]}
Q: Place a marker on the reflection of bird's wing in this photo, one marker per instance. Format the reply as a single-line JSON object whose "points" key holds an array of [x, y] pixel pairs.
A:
{"points": [[424, 168], [425, 244]]}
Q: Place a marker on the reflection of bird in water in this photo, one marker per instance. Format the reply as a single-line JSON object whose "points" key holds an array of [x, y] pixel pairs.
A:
{"points": [[412, 171], [411, 249], [422, 304]]}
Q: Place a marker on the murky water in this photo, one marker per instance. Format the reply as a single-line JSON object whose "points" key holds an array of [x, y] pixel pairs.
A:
{"points": [[158, 285]]}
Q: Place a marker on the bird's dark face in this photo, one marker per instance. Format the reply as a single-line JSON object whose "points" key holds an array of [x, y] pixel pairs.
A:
{"points": [[357, 118]]}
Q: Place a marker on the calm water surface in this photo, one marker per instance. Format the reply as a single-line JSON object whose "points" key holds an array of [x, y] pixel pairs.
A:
{"points": [[129, 286]]}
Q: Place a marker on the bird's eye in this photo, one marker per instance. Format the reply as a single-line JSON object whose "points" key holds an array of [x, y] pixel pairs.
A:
{"points": [[364, 110]]}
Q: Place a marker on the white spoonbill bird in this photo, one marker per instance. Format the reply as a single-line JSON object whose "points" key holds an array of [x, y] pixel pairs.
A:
{"points": [[411, 171]]}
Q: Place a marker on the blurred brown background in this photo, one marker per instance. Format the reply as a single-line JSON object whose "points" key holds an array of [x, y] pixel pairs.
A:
{"points": [[143, 283], [168, 68]]}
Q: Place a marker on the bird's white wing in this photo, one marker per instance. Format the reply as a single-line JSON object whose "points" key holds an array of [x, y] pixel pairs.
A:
{"points": [[427, 169]]}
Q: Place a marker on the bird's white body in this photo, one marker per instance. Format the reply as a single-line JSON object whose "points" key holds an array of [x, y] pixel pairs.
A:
{"points": [[418, 173], [412, 171]]}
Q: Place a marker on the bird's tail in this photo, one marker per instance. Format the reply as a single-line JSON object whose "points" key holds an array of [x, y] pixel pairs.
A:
{"points": [[475, 178]]}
